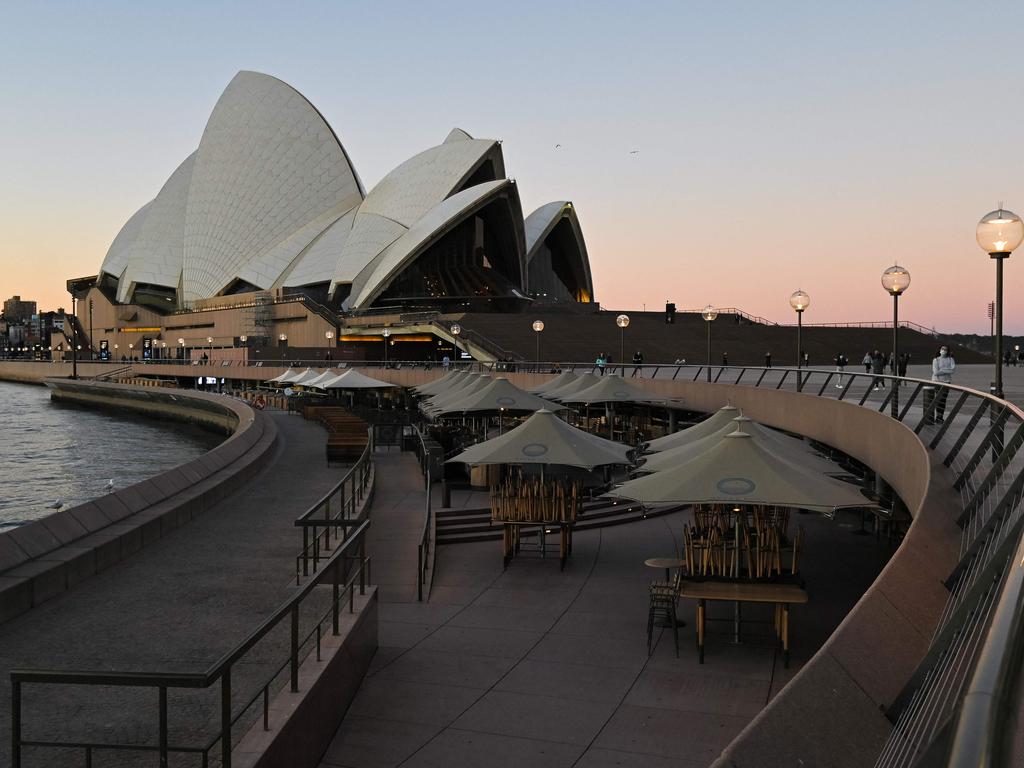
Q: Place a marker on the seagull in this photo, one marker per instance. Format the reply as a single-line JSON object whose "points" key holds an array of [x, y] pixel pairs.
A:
{"points": [[634, 151], [56, 505], [109, 486], [558, 146]]}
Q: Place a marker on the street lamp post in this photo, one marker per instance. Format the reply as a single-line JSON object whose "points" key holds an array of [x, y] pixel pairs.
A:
{"points": [[455, 330], [709, 313], [538, 326], [74, 331], [999, 233], [799, 301], [623, 322], [896, 280], [181, 343], [163, 350], [209, 359], [387, 334]]}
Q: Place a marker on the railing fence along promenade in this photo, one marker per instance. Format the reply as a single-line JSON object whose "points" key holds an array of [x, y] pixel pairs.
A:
{"points": [[345, 567], [424, 549], [338, 508]]}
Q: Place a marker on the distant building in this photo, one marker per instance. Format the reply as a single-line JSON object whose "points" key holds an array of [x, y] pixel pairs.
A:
{"points": [[18, 311]]}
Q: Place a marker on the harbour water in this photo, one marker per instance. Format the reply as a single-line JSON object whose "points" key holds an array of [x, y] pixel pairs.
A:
{"points": [[54, 451]]}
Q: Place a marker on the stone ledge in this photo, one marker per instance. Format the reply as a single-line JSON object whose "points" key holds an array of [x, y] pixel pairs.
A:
{"points": [[46, 557], [302, 724]]}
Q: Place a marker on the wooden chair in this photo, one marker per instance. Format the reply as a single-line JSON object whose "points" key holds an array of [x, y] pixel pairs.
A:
{"points": [[664, 597]]}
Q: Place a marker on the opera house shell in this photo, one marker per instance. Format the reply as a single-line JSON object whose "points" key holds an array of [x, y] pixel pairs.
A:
{"points": [[271, 200]]}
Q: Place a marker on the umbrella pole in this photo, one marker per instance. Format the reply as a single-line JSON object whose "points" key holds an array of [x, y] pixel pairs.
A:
{"points": [[610, 413]]}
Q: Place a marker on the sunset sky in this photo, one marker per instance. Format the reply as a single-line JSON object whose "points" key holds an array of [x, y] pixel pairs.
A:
{"points": [[779, 145]]}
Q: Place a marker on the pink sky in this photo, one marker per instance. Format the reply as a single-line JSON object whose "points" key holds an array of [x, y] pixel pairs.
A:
{"points": [[780, 146]]}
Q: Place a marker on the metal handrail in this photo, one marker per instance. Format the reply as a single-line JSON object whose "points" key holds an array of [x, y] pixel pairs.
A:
{"points": [[219, 670], [357, 478]]}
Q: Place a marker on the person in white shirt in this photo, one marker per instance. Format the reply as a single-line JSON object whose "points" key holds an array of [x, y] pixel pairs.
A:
{"points": [[943, 366]]}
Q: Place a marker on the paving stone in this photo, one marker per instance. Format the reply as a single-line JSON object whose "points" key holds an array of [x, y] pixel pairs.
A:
{"points": [[455, 748], [569, 721]]}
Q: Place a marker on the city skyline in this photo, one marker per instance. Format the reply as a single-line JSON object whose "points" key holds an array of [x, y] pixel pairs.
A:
{"points": [[741, 154]]}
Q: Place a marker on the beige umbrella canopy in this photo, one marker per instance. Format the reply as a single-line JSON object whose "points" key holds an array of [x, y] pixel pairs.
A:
{"points": [[613, 389], [582, 381], [353, 379], [285, 378], [565, 377], [472, 383], [499, 395], [546, 439], [721, 418], [441, 384], [304, 378], [789, 448], [739, 470], [322, 379]]}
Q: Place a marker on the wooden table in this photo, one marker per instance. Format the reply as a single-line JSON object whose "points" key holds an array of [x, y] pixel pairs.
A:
{"points": [[783, 595]]}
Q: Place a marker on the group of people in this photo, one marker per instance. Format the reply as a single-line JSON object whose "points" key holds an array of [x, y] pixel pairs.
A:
{"points": [[603, 361]]}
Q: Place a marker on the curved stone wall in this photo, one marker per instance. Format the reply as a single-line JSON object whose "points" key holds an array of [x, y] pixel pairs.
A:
{"points": [[46, 557]]}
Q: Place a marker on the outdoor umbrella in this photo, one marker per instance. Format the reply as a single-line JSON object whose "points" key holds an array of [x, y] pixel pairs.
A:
{"points": [[303, 378], [284, 378], [613, 389], [582, 381], [471, 383], [789, 448], [353, 379], [545, 439], [739, 470], [499, 395], [565, 377], [721, 418], [441, 384], [320, 380]]}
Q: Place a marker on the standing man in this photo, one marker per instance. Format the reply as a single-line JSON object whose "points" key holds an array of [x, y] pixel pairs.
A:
{"points": [[841, 368], [878, 368], [767, 359], [638, 361], [725, 358], [943, 367], [866, 362]]}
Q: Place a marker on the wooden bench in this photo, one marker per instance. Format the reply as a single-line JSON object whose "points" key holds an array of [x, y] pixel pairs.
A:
{"points": [[782, 595]]}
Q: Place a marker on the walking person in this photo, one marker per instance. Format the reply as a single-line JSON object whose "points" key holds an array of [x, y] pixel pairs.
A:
{"points": [[878, 368], [901, 367], [866, 362], [600, 363], [943, 367], [840, 368], [638, 362], [767, 359], [725, 359]]}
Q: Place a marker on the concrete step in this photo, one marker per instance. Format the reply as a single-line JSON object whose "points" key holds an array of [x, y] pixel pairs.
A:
{"points": [[475, 525]]}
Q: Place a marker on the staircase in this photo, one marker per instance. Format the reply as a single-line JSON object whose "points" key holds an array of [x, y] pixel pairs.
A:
{"points": [[462, 526]]}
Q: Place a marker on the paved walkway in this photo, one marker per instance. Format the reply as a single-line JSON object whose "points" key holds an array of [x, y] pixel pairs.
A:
{"points": [[177, 605], [532, 666]]}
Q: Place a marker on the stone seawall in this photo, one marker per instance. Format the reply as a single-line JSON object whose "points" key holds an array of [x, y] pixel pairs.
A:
{"points": [[43, 558]]}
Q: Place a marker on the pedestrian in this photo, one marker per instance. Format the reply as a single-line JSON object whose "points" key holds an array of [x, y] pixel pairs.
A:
{"points": [[807, 359], [767, 359], [866, 362], [878, 368], [725, 358], [943, 366], [892, 364], [601, 362], [446, 362], [327, 356], [638, 361], [840, 367], [902, 366]]}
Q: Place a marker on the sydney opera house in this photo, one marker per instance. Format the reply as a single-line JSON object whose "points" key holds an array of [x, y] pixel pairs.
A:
{"points": [[268, 226]]}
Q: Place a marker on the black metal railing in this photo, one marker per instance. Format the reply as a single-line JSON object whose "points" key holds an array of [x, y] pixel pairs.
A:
{"points": [[337, 511], [424, 549], [343, 584]]}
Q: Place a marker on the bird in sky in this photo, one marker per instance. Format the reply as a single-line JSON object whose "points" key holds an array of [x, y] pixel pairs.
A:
{"points": [[634, 151], [558, 146]]}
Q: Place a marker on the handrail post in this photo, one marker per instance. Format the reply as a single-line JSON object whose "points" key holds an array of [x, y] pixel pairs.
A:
{"points": [[225, 718], [294, 661], [336, 595], [16, 723], [163, 726], [362, 564], [419, 572]]}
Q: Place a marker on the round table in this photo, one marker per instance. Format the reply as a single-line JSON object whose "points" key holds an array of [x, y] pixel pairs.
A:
{"points": [[668, 563]]}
